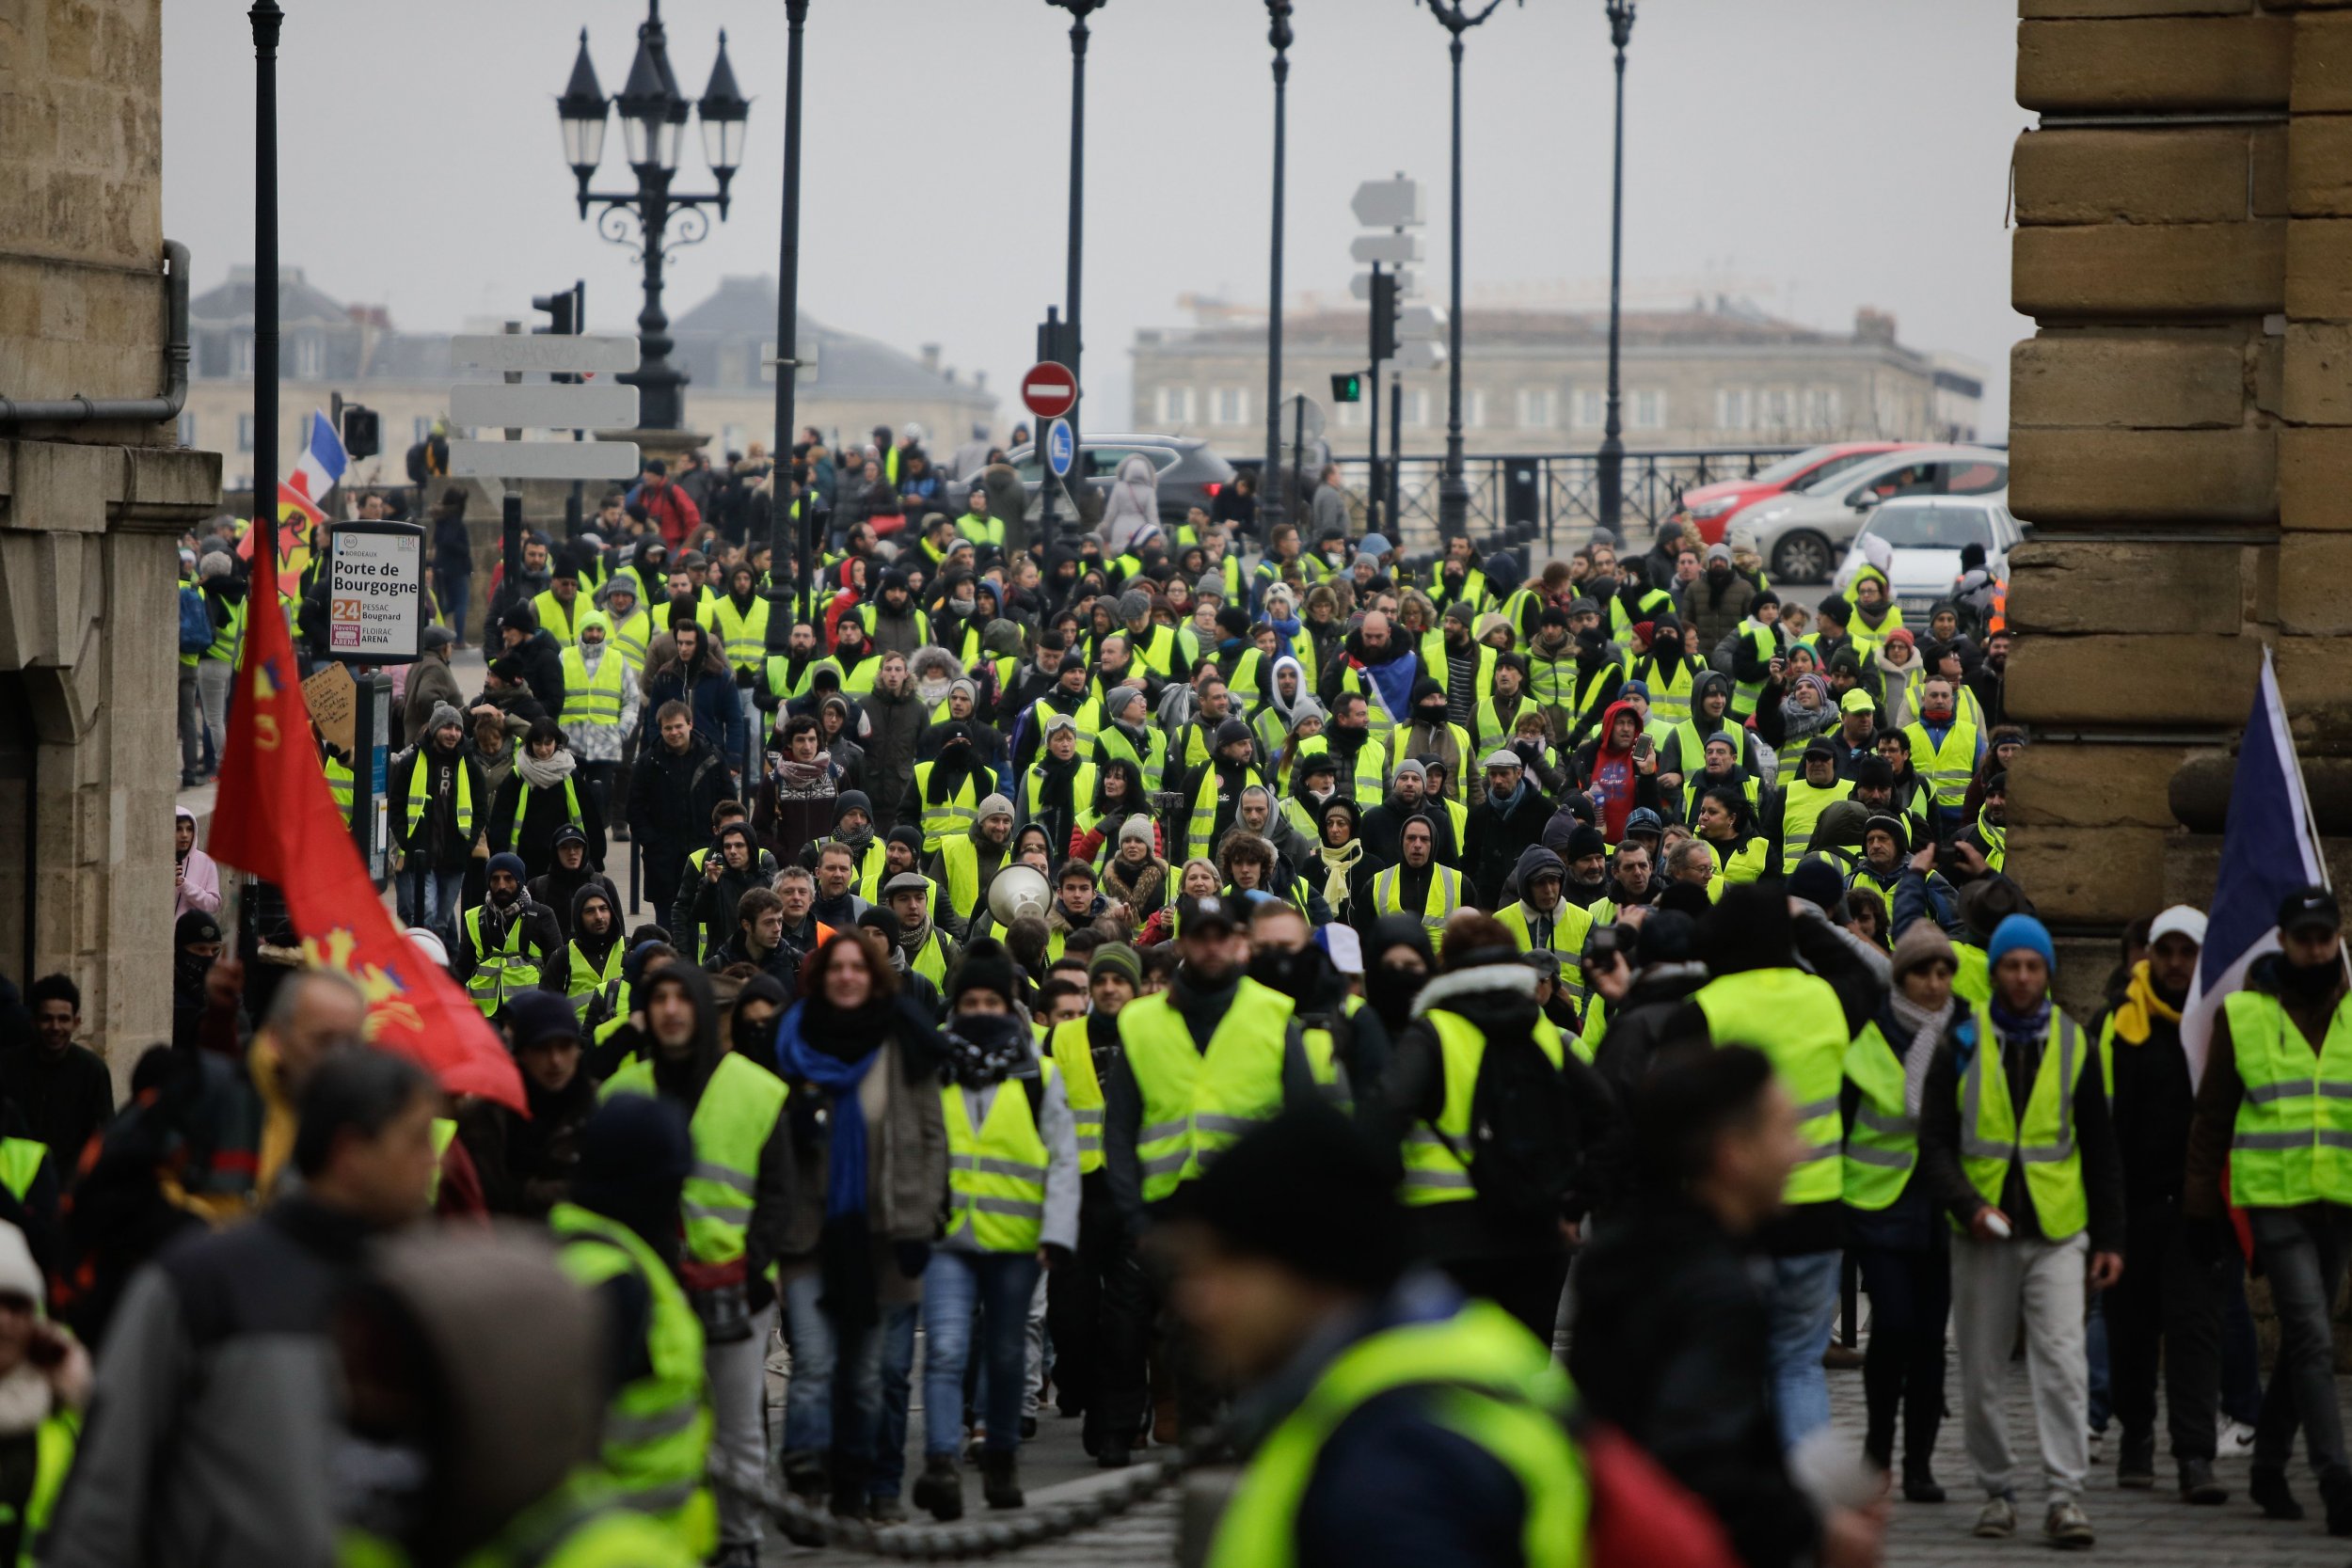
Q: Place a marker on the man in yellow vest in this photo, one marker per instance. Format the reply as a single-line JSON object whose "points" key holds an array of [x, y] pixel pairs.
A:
{"points": [[2273, 1115], [1199, 1063], [506, 941], [1790, 817], [1803, 1022], [561, 607], [1013, 1205], [1293, 1273], [1095, 1298], [734, 1212], [2014, 1141]]}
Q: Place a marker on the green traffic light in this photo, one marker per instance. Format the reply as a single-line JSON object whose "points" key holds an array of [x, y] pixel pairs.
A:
{"points": [[1347, 388]]}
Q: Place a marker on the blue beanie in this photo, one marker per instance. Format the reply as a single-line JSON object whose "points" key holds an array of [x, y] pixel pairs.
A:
{"points": [[2021, 930], [510, 862]]}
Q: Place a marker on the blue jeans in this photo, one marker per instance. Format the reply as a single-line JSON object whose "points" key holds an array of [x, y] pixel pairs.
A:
{"points": [[431, 898], [835, 1397], [890, 1425], [1801, 1306], [1000, 1284]]}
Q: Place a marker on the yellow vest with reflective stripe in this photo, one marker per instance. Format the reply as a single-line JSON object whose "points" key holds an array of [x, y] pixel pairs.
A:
{"points": [[2293, 1141], [629, 636], [592, 698], [1947, 767], [1369, 781], [1764, 644], [1488, 1380], [960, 858], [1195, 1104], [1795, 1019], [1074, 1057], [228, 633], [942, 819], [497, 975], [1669, 696], [586, 978], [745, 634], [1992, 1134], [657, 1429], [1570, 927], [1435, 664], [556, 620], [1434, 1171], [732, 1123], [339, 786], [1800, 808], [1883, 1145], [20, 1163], [996, 1172], [1445, 896], [420, 797], [1201, 831]]}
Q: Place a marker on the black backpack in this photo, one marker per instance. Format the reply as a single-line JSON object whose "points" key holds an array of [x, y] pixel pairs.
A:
{"points": [[1521, 1148]]}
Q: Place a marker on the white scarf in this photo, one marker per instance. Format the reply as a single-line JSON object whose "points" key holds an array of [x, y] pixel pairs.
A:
{"points": [[549, 774], [1927, 1032]]}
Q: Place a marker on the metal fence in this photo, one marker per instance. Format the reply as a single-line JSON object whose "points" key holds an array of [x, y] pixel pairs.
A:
{"points": [[1558, 492]]}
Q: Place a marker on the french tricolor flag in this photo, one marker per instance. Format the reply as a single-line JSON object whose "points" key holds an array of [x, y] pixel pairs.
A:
{"points": [[318, 470]]}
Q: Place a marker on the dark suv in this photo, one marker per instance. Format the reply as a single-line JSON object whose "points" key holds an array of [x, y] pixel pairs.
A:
{"points": [[1189, 473]]}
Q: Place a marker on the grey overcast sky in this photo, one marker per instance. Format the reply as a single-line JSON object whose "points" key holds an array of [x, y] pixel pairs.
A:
{"points": [[1814, 155]]}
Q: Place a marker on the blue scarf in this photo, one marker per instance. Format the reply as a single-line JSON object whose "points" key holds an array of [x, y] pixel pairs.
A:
{"points": [[1286, 630], [2030, 1026], [845, 1169]]}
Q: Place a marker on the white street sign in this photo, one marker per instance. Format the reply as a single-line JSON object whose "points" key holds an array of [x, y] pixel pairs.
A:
{"points": [[1419, 321], [1411, 357], [375, 592], [544, 351], [1387, 203], [1389, 250], [1406, 281], [543, 405], [543, 459], [1301, 416]]}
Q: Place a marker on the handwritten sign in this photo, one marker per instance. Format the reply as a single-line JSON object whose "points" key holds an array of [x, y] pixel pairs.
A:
{"points": [[333, 697]]}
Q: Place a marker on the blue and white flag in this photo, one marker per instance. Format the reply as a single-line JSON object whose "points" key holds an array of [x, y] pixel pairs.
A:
{"points": [[2269, 847]]}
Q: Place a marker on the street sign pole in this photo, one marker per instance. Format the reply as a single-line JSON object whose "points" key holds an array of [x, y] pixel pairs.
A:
{"points": [[1372, 499]]}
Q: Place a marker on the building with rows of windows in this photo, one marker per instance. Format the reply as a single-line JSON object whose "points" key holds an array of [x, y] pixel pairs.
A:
{"points": [[1535, 380]]}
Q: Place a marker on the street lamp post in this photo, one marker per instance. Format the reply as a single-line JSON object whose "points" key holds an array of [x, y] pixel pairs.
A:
{"points": [[1073, 343], [653, 130], [780, 482], [1456, 17], [1270, 486], [266, 19], [1609, 475]]}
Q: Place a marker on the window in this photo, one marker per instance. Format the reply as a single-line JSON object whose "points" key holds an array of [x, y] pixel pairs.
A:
{"points": [[241, 354], [1473, 407], [1913, 527], [1779, 408], [310, 357], [1649, 410], [1592, 408], [767, 360], [1351, 414], [1230, 405], [187, 430], [1538, 408], [1822, 408], [244, 433], [1173, 405], [1734, 408], [1417, 406]]}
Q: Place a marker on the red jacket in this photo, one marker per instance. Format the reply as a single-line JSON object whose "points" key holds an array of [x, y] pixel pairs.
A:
{"points": [[672, 510]]}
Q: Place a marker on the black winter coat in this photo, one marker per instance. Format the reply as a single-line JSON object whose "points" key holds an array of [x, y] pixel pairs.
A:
{"points": [[1497, 837]]}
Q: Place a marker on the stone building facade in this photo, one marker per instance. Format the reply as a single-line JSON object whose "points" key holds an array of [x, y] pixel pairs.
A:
{"points": [[90, 513], [1718, 375], [2181, 431]]}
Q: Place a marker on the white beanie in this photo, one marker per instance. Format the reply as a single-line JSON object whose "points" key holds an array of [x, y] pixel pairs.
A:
{"points": [[19, 1274]]}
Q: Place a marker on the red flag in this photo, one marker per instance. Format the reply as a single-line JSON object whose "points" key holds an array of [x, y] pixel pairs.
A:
{"points": [[276, 820]]}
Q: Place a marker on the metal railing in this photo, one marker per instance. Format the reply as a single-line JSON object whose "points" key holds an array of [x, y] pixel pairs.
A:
{"points": [[1558, 491]]}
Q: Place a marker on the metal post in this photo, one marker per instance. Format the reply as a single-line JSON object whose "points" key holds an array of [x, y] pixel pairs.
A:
{"points": [[1454, 492], [1373, 492], [1278, 35], [266, 19], [1396, 461], [660, 406], [788, 351], [1609, 476], [1073, 334]]}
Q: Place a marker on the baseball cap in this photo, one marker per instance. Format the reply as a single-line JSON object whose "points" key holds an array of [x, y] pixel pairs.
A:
{"points": [[1204, 914], [1857, 700], [2304, 908], [2181, 920]]}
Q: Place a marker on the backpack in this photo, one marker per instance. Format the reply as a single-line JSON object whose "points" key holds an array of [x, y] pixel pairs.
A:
{"points": [[196, 622], [1521, 1148]]}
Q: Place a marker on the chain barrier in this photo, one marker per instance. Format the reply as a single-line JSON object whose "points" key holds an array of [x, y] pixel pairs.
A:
{"points": [[1035, 1525]]}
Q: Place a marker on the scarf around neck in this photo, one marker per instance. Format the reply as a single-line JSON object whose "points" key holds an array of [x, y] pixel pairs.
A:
{"points": [[1926, 1031], [1337, 864], [549, 774], [2136, 1014]]}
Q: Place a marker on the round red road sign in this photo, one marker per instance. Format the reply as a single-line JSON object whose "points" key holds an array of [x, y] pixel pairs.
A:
{"points": [[1049, 390]]}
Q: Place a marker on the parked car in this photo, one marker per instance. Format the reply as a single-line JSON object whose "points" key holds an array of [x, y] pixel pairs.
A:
{"points": [[1802, 534], [1916, 540], [1710, 508], [1190, 474]]}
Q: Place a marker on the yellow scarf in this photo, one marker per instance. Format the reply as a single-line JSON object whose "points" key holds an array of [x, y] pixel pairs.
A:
{"points": [[2136, 1015], [1337, 864]]}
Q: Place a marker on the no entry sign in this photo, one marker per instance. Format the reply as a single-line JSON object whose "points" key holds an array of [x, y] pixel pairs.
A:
{"points": [[1049, 390]]}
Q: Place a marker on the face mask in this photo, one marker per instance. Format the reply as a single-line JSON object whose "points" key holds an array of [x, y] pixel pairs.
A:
{"points": [[1391, 992], [1289, 972], [2308, 982]]}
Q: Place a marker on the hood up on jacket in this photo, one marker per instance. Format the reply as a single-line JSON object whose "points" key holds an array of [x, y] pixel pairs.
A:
{"points": [[1532, 859], [684, 1080]]}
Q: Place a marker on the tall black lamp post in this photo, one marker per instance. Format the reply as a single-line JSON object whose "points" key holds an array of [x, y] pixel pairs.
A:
{"points": [[780, 484], [1456, 17], [1609, 476], [1072, 344], [266, 19], [1270, 477], [652, 130]]}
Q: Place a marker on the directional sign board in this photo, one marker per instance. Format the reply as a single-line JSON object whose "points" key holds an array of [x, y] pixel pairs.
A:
{"points": [[1407, 280], [1049, 390], [375, 592], [1421, 320], [546, 351], [1420, 357], [543, 405], [1389, 250], [543, 459], [1387, 203], [1061, 448]]}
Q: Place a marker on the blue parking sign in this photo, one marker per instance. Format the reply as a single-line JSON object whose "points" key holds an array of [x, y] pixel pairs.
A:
{"points": [[1060, 450]]}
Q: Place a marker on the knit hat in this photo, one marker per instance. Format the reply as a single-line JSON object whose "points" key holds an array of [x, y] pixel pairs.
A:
{"points": [[194, 926], [986, 966], [510, 862], [1817, 881], [444, 714], [1921, 945], [19, 1274], [995, 805], [1718, 552], [1373, 545], [1462, 610], [534, 1016], [1309, 1192], [908, 834], [2021, 930], [1585, 841], [1136, 828], [1881, 822], [1232, 732], [1116, 957]]}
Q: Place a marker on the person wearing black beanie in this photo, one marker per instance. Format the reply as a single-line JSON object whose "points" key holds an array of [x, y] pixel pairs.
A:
{"points": [[1292, 1272]]}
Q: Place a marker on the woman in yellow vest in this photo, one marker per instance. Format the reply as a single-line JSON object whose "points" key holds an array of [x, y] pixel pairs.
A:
{"points": [[1894, 1230], [1012, 1200]]}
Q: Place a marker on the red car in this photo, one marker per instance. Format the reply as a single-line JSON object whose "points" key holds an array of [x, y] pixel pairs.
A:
{"points": [[1709, 508]]}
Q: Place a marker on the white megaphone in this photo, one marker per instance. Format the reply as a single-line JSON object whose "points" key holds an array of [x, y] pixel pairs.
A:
{"points": [[1018, 890]]}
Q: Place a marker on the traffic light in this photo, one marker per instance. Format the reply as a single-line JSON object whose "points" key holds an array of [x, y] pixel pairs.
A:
{"points": [[362, 431], [1383, 316], [1346, 387], [567, 315]]}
